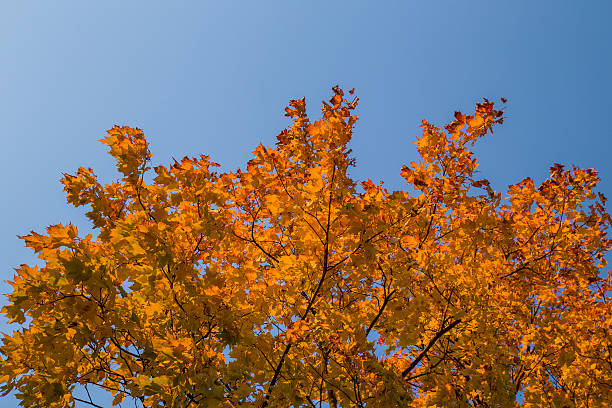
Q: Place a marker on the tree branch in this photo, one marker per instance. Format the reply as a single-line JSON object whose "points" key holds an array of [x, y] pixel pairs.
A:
{"points": [[312, 298], [433, 341]]}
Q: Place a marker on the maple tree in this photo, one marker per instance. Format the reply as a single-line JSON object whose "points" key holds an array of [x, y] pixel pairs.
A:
{"points": [[287, 285]]}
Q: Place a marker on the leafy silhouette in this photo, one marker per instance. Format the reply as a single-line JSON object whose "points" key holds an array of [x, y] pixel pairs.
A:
{"points": [[288, 284]]}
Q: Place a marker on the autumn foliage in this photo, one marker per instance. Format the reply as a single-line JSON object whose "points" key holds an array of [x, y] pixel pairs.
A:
{"points": [[288, 284]]}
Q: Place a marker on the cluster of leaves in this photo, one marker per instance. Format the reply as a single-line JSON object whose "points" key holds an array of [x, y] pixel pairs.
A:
{"points": [[287, 285]]}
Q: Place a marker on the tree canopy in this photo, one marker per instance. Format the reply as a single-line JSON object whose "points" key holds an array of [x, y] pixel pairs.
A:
{"points": [[289, 284]]}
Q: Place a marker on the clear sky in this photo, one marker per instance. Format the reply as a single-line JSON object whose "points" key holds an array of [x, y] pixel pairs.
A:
{"points": [[214, 77]]}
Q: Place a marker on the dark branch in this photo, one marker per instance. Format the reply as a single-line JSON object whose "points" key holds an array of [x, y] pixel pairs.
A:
{"points": [[314, 295], [433, 341]]}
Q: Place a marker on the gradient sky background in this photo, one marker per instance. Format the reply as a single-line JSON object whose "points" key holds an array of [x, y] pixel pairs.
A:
{"points": [[214, 77]]}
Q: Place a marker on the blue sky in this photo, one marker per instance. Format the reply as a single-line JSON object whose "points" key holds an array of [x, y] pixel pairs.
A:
{"points": [[214, 77]]}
